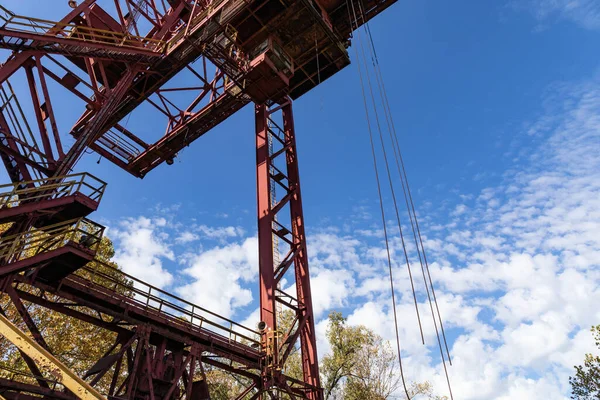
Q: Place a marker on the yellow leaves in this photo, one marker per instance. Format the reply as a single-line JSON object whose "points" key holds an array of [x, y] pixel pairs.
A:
{"points": [[76, 343], [5, 227]]}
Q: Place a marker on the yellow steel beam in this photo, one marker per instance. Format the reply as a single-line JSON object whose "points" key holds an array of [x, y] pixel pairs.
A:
{"points": [[47, 362]]}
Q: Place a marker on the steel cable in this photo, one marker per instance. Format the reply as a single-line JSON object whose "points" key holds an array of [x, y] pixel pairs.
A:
{"points": [[389, 175], [381, 206], [405, 187], [404, 180]]}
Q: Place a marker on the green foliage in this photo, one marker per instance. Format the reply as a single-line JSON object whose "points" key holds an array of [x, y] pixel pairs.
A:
{"points": [[346, 342], [76, 343], [423, 390], [223, 385], [362, 365], [586, 382]]}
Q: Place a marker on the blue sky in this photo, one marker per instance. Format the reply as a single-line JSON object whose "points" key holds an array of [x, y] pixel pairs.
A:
{"points": [[496, 104]]}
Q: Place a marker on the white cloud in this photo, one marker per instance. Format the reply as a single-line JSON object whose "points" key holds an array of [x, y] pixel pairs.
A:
{"points": [[186, 237], [218, 275], [330, 289], [535, 260], [140, 249], [517, 268], [219, 233], [459, 210]]}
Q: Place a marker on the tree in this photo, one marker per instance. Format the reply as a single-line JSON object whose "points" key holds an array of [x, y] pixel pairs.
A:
{"points": [[362, 365], [76, 343], [423, 390], [586, 382], [346, 342], [375, 375], [286, 320], [223, 385]]}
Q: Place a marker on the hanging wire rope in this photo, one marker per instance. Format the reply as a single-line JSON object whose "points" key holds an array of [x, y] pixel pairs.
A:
{"points": [[382, 208], [405, 184], [389, 176], [428, 282]]}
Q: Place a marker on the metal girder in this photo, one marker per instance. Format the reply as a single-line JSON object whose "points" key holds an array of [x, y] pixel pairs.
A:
{"points": [[131, 301], [157, 353], [103, 63], [11, 389], [47, 361], [21, 33], [281, 217]]}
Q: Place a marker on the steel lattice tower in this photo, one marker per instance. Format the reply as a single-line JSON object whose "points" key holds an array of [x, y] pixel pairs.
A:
{"points": [[109, 58]]}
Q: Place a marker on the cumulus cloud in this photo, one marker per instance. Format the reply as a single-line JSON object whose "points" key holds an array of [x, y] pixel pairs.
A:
{"points": [[186, 237], [517, 268], [141, 247], [219, 233], [524, 291], [218, 275], [330, 289]]}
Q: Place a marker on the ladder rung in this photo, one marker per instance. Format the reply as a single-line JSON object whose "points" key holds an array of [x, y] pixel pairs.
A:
{"points": [[278, 177]]}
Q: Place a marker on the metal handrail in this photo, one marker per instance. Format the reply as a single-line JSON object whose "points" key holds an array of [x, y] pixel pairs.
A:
{"points": [[120, 145], [13, 194], [36, 241], [152, 298], [23, 24]]}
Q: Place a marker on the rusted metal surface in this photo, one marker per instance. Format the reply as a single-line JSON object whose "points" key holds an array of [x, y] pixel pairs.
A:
{"points": [[281, 215], [51, 198], [22, 33], [48, 362], [217, 40], [111, 62]]}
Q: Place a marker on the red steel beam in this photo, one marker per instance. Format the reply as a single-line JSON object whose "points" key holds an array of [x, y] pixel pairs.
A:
{"points": [[308, 340], [124, 308], [274, 220], [265, 222], [18, 390]]}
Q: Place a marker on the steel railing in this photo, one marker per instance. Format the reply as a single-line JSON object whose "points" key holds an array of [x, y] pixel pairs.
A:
{"points": [[13, 194], [177, 310], [28, 25], [21, 246]]}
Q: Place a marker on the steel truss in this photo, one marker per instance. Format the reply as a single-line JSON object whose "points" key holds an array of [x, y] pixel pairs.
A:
{"points": [[277, 166], [111, 63]]}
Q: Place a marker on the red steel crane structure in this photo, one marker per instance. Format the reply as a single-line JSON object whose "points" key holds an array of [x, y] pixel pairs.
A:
{"points": [[192, 63]]}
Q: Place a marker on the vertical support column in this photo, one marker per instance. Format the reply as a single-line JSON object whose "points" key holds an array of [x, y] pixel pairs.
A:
{"points": [[265, 220], [308, 342], [277, 165]]}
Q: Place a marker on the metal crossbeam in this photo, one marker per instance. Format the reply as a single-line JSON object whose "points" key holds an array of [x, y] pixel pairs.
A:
{"points": [[110, 63], [22, 33], [47, 361], [284, 219]]}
